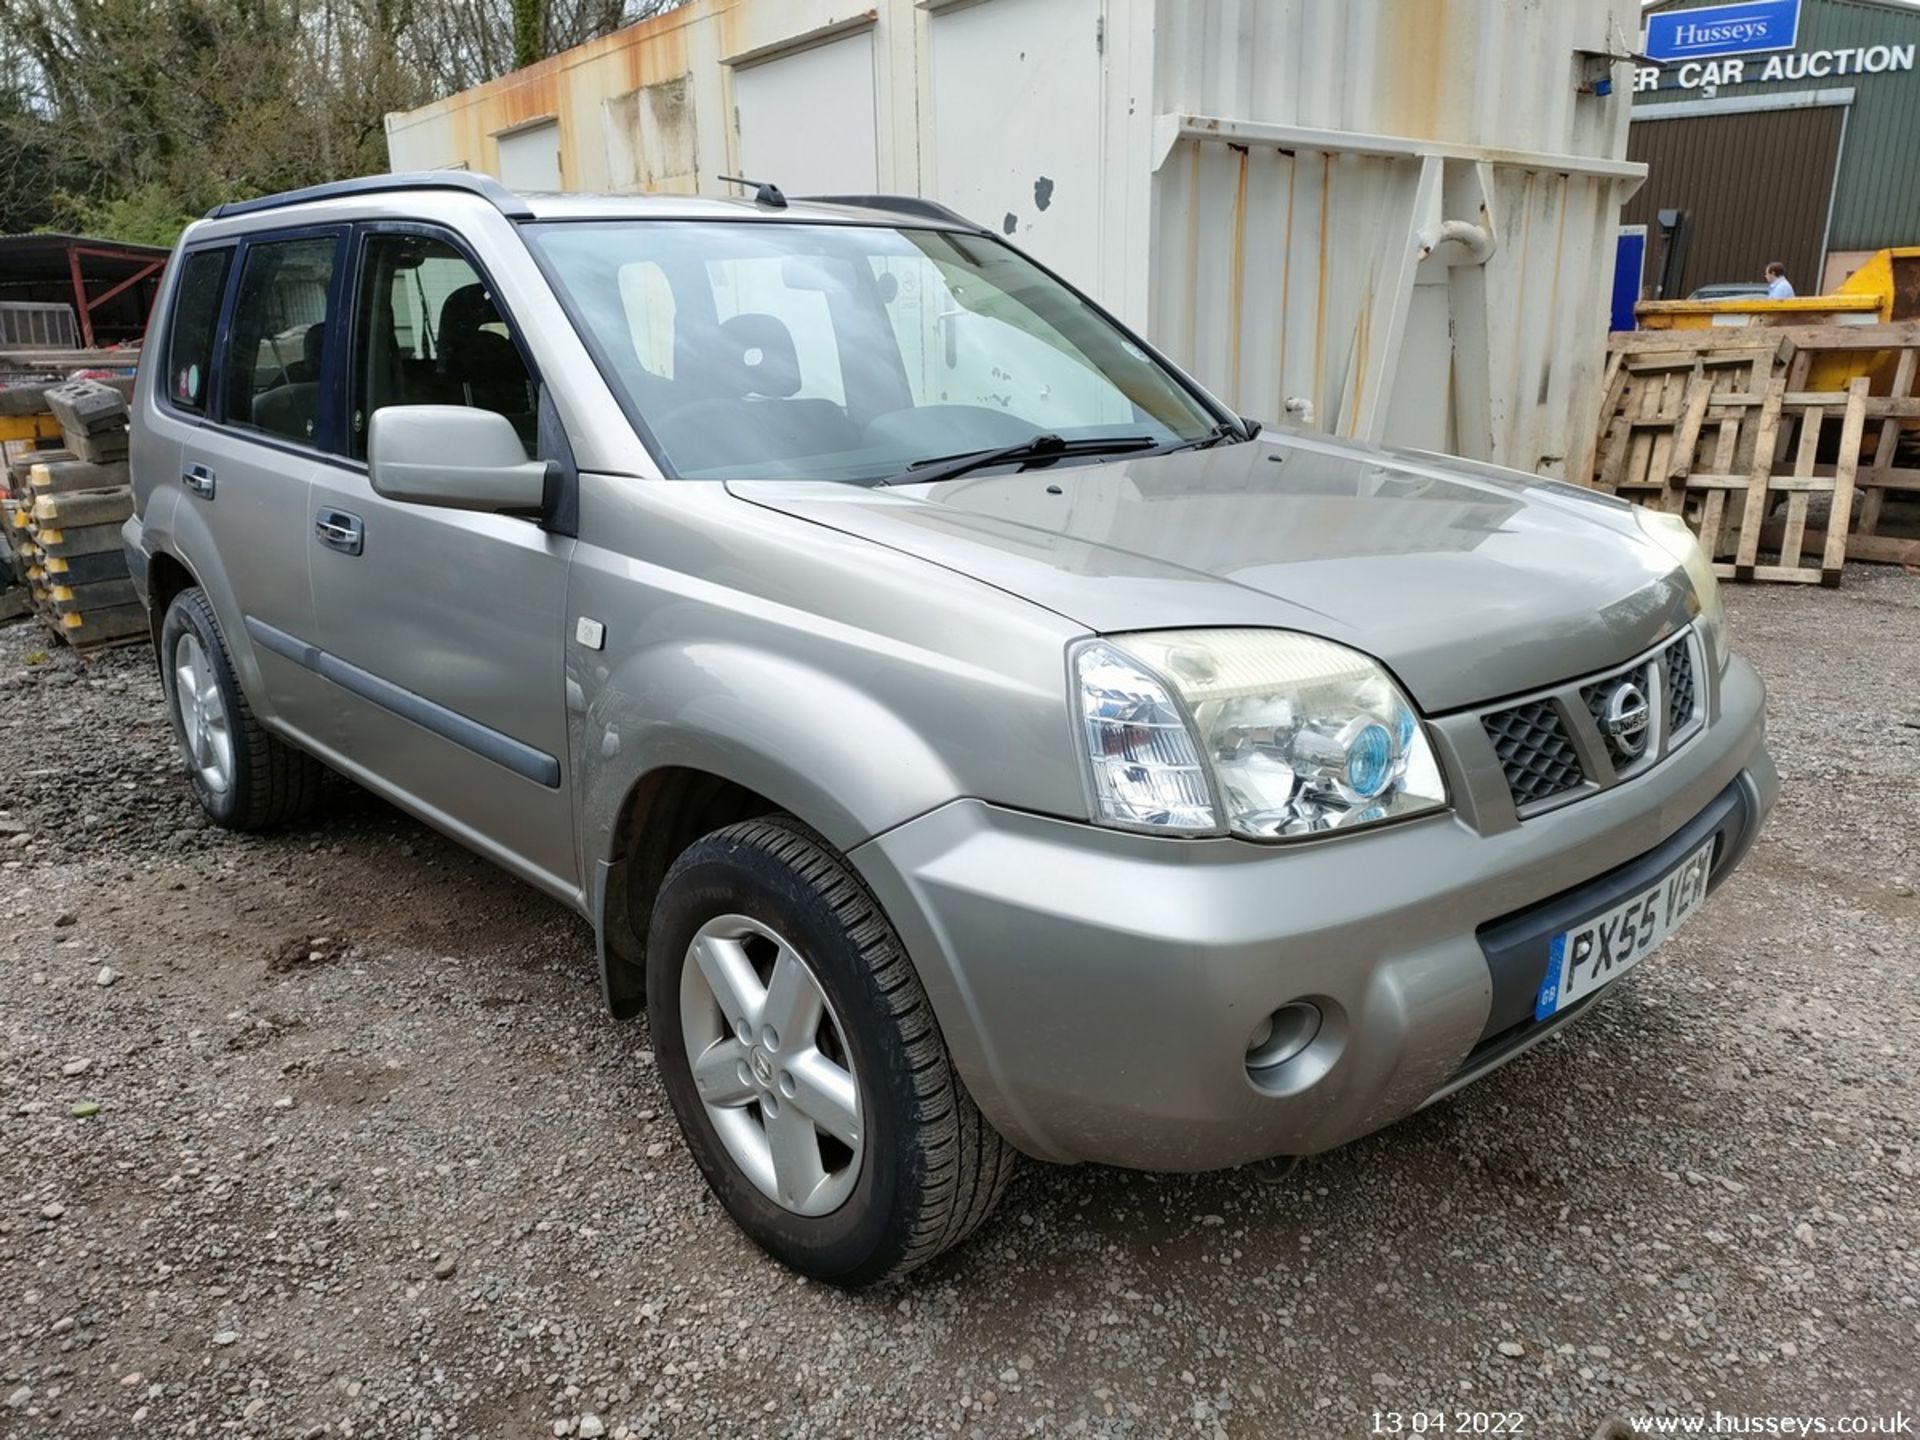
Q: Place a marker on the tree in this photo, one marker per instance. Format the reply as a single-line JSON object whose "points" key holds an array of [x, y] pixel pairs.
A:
{"points": [[125, 117], [528, 22]]}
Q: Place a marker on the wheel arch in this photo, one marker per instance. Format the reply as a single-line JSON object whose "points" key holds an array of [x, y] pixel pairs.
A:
{"points": [[167, 576], [680, 740], [662, 813]]}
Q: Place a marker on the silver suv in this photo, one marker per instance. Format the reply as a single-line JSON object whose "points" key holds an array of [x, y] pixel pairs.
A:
{"points": [[966, 736]]}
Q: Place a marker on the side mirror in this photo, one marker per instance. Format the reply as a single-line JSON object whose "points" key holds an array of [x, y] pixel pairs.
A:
{"points": [[455, 457]]}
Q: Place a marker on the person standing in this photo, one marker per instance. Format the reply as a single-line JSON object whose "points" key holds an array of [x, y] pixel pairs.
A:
{"points": [[1778, 286]]}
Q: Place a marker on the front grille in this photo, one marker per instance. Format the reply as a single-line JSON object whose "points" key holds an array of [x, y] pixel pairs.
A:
{"points": [[1535, 739], [1680, 696], [1596, 697], [1534, 751]]}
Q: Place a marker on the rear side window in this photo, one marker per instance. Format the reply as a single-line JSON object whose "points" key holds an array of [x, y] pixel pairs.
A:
{"points": [[196, 310], [277, 342]]}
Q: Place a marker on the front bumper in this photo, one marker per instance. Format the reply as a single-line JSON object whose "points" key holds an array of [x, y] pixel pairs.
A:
{"points": [[1097, 989]]}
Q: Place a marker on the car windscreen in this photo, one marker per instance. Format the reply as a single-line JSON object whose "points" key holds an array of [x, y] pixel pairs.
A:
{"points": [[848, 352]]}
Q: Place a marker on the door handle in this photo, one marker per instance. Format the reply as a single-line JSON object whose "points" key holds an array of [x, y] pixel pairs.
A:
{"points": [[338, 530], [198, 479]]}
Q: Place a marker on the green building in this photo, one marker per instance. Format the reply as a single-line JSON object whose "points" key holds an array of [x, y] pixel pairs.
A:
{"points": [[1807, 152]]}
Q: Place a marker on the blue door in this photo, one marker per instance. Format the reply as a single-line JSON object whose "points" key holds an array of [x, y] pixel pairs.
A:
{"points": [[1629, 274]]}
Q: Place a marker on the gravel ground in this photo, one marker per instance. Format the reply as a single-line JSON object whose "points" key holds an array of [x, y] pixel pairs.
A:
{"points": [[324, 1134]]}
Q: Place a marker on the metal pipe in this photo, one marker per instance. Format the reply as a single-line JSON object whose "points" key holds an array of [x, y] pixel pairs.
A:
{"points": [[1477, 239], [80, 296]]}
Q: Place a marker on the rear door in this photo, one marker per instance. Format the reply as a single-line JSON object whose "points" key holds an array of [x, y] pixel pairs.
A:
{"points": [[251, 453], [449, 623]]}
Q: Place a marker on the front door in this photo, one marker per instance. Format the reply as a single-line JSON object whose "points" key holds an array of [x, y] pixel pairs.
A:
{"points": [[443, 629]]}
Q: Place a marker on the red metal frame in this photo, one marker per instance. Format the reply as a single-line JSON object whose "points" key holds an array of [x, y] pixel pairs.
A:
{"points": [[86, 304]]}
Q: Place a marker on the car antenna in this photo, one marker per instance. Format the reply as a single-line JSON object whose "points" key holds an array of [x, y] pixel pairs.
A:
{"points": [[765, 192]]}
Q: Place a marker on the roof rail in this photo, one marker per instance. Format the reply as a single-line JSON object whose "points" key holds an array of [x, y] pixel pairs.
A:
{"points": [[900, 205], [485, 186]]}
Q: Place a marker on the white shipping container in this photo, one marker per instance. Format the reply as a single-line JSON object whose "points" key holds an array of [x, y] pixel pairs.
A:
{"points": [[1390, 219]]}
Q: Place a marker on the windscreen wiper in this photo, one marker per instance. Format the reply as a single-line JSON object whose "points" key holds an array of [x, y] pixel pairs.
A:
{"points": [[1226, 430], [1034, 448]]}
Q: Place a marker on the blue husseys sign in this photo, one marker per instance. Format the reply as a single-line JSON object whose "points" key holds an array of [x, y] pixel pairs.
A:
{"points": [[1748, 29]]}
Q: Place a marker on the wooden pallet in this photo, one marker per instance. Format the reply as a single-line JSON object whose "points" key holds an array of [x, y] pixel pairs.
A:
{"points": [[1768, 489], [1900, 421], [1894, 423], [1682, 421], [1720, 427]]}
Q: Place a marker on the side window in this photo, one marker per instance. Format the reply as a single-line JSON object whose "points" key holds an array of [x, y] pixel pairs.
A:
{"points": [[429, 333], [277, 344], [196, 310]]}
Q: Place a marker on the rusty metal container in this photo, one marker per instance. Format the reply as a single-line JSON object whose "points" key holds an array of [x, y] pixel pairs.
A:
{"points": [[1385, 219]]}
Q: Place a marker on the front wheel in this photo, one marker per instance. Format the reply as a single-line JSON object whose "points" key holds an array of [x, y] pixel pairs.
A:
{"points": [[804, 1064]]}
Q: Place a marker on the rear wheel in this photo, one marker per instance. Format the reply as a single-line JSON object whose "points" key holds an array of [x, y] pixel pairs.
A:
{"points": [[245, 779], [804, 1063]]}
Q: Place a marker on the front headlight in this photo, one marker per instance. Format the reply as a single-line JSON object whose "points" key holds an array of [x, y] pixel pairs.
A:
{"points": [[1263, 733], [1672, 534]]}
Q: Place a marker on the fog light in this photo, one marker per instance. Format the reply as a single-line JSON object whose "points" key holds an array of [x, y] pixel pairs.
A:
{"points": [[1282, 1035]]}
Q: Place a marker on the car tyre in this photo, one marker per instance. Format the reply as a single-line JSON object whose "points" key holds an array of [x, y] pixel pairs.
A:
{"points": [[244, 778], [930, 1167]]}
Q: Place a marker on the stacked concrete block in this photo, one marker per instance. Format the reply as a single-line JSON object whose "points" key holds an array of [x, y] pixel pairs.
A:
{"points": [[63, 514], [93, 418], [79, 562]]}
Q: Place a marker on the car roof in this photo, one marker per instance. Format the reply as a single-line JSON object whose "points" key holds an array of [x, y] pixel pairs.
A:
{"points": [[767, 205], [870, 208]]}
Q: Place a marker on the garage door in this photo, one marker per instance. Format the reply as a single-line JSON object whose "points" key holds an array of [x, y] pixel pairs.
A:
{"points": [[1016, 92], [530, 158], [807, 119], [1758, 186]]}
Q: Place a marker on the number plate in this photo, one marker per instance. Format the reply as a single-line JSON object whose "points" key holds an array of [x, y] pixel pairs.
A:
{"points": [[1599, 950]]}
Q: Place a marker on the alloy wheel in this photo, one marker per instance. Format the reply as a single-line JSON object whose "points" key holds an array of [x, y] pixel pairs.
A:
{"points": [[204, 727], [771, 1065]]}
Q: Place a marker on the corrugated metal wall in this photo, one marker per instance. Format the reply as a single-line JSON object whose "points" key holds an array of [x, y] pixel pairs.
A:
{"points": [[1266, 285], [1497, 74], [1755, 186], [1877, 201], [1262, 184], [1273, 265]]}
